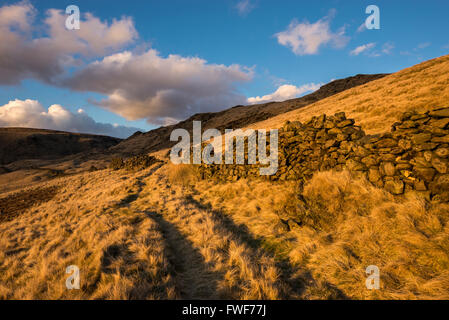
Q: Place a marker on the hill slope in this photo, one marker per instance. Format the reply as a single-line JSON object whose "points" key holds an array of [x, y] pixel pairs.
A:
{"points": [[23, 143], [237, 117], [378, 104]]}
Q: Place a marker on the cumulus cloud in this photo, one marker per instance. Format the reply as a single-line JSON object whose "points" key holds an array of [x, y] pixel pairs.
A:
{"points": [[137, 85], [24, 56], [160, 89], [362, 48], [307, 38], [244, 7], [17, 16], [285, 92], [31, 114]]}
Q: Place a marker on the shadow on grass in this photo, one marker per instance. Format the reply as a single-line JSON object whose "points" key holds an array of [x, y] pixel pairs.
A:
{"points": [[296, 284]]}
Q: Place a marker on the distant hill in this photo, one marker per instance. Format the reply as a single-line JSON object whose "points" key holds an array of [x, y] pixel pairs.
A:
{"points": [[23, 143], [237, 117]]}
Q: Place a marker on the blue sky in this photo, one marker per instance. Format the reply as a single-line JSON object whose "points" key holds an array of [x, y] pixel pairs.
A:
{"points": [[242, 33]]}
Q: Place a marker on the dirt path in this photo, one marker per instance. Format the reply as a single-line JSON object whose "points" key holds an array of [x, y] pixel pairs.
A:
{"points": [[212, 258]]}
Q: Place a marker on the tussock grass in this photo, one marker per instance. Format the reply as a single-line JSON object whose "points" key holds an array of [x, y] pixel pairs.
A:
{"points": [[182, 174], [219, 261], [120, 254], [355, 225]]}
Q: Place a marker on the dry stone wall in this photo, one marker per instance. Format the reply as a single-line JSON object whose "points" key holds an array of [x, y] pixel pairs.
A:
{"points": [[413, 156]]}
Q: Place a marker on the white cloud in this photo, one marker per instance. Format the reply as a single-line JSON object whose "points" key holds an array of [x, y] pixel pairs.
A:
{"points": [[285, 92], [362, 48], [148, 86], [367, 49], [138, 86], [31, 114], [388, 47], [244, 7], [307, 38], [422, 46], [362, 27], [24, 56], [18, 16]]}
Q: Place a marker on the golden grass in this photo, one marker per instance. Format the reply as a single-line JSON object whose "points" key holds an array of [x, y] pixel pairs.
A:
{"points": [[360, 225], [140, 236], [220, 262], [165, 234], [182, 174], [378, 104], [120, 253]]}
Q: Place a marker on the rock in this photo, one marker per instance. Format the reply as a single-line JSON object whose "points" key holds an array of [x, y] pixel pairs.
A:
{"points": [[403, 166], [331, 143], [334, 131], [428, 156], [421, 138], [340, 116], [353, 165], [435, 131], [444, 139], [441, 123], [425, 146], [442, 152], [441, 185], [319, 122], [342, 137], [439, 165], [357, 135], [440, 113], [405, 144], [425, 173], [419, 117], [321, 135], [374, 175], [420, 185], [291, 126], [388, 168], [387, 143], [421, 162], [408, 125], [395, 187], [361, 151], [405, 116], [388, 157], [329, 124], [370, 161], [345, 123]]}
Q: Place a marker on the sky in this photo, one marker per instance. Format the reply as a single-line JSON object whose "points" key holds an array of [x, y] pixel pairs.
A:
{"points": [[137, 65]]}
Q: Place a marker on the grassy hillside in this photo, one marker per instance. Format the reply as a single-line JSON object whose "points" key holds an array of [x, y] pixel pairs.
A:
{"points": [[163, 233], [378, 104], [236, 117]]}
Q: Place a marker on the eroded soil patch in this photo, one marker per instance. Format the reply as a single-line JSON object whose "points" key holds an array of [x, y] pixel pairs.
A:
{"points": [[15, 204]]}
